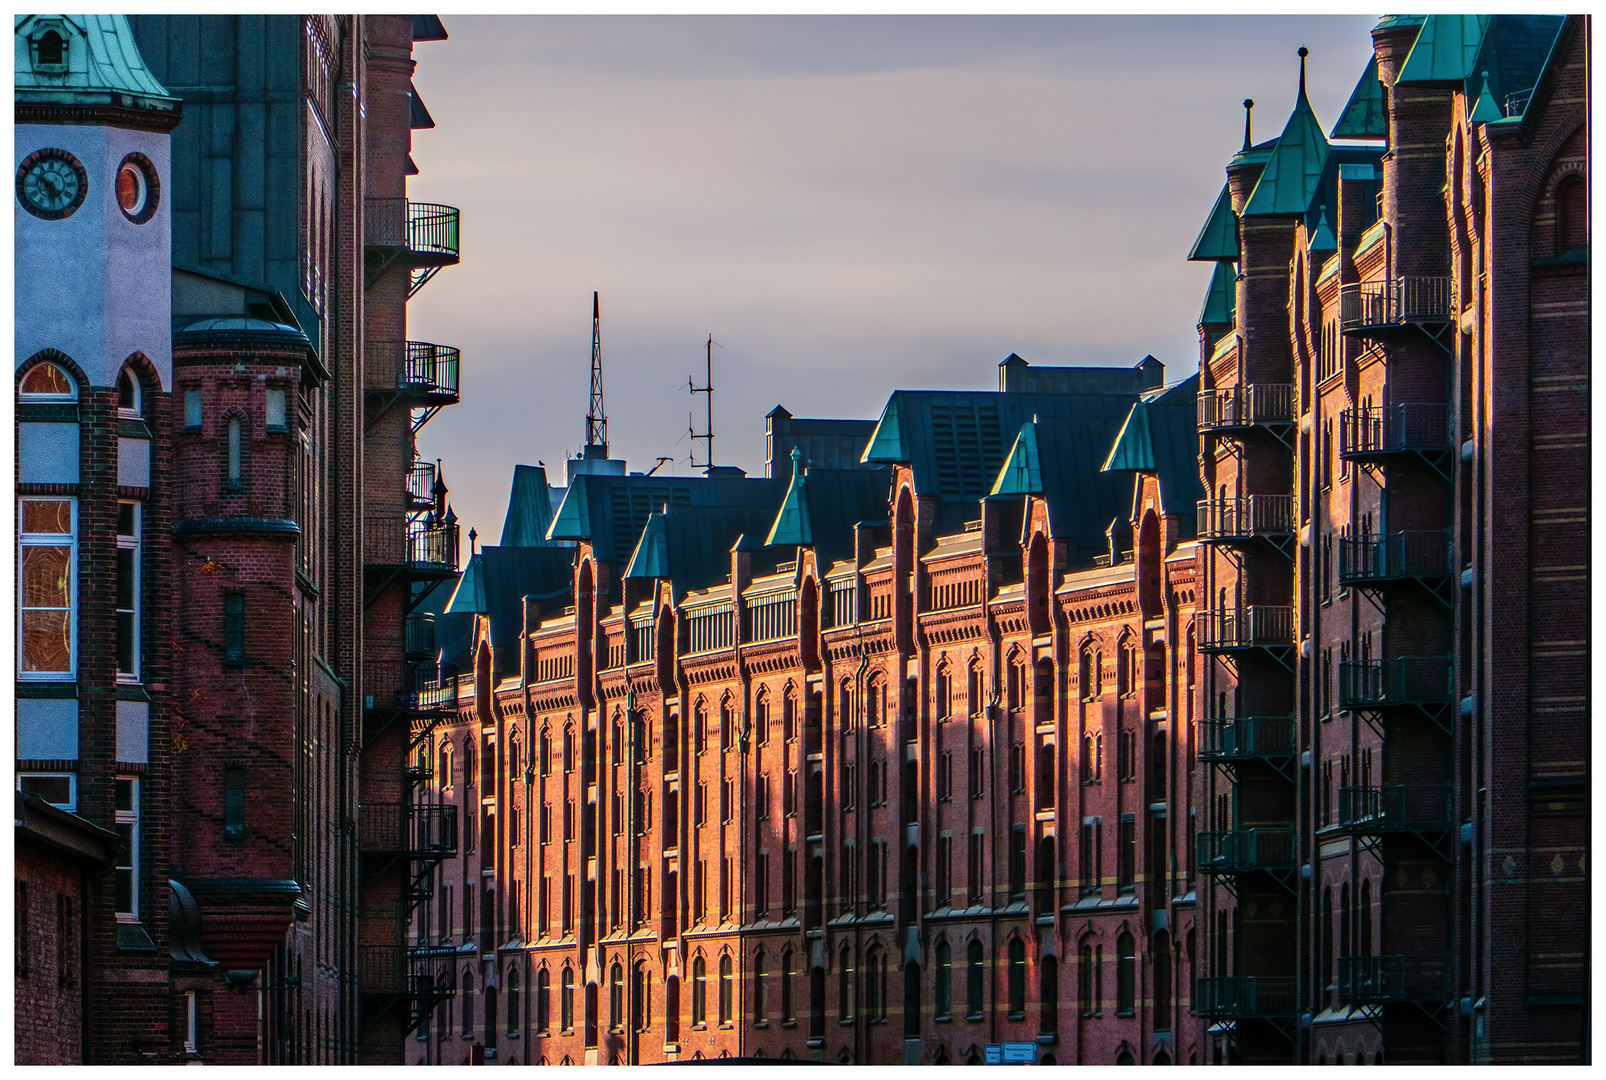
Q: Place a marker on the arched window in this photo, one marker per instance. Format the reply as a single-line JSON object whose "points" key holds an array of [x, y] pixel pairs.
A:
{"points": [[844, 711], [975, 1000], [945, 692], [1086, 677], [1017, 978], [699, 991], [699, 727], [546, 753], [128, 396], [468, 1003], [727, 988], [875, 700], [52, 49], [1162, 981], [446, 763], [235, 450], [787, 1015], [47, 382], [569, 759], [1572, 216], [973, 690], [640, 999], [566, 1001], [512, 1000], [672, 1009], [760, 991], [761, 717], [1364, 942], [1324, 929], [618, 739], [1086, 976], [789, 715], [727, 724], [616, 997], [1125, 975], [847, 982], [1049, 993], [543, 1001], [945, 977], [875, 977], [468, 761]]}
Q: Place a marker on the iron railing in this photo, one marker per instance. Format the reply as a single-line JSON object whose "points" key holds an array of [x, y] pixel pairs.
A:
{"points": [[1242, 850], [1369, 980], [421, 368], [391, 540], [408, 829], [1397, 429], [1412, 553], [1395, 302], [429, 231], [420, 973], [1246, 406], [1404, 680], [394, 683], [1245, 996], [1259, 625], [421, 635], [1243, 738], [1393, 808], [1245, 517], [421, 486]]}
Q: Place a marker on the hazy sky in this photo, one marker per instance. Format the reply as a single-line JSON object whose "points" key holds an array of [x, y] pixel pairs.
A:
{"points": [[850, 205]]}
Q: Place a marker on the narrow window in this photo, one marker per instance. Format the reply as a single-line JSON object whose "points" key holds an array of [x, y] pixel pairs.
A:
{"points": [[1125, 975], [192, 1026], [1017, 978], [128, 563], [974, 992], [760, 991], [543, 1002], [192, 410], [234, 452], [47, 553], [233, 803], [512, 1001], [233, 629], [787, 1015], [52, 49], [566, 1001], [127, 394], [274, 409], [699, 992], [126, 885], [945, 966]]}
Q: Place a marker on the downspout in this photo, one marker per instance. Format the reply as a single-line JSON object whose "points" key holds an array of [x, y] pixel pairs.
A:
{"points": [[999, 721]]}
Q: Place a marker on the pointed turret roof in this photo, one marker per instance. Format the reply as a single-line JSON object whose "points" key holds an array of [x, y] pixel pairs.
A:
{"points": [[1322, 238], [1446, 49], [1218, 240], [1221, 298], [529, 509], [1293, 173], [1362, 116], [792, 523], [1022, 472]]}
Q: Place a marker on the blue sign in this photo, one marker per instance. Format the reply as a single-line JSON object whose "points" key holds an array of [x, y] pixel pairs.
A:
{"points": [[992, 1054], [1018, 1053]]}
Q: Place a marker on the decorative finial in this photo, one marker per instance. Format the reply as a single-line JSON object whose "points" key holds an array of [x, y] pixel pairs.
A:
{"points": [[1249, 106], [1303, 52], [473, 535]]}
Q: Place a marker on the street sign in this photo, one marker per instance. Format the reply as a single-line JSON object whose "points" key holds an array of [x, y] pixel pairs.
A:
{"points": [[1010, 1053], [993, 1054]]}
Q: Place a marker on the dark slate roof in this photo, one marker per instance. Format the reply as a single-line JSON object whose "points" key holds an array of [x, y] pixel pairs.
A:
{"points": [[1160, 436], [1070, 444], [1515, 51], [1362, 116], [509, 574], [1218, 240], [821, 511], [610, 511], [529, 509], [1221, 298], [691, 545], [825, 443]]}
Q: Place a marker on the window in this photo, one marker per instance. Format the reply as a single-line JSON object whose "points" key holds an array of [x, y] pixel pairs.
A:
{"points": [[761, 796], [944, 693], [1017, 768], [546, 754], [1091, 857], [275, 413], [192, 1025], [761, 885], [233, 629], [128, 564], [49, 576], [1087, 976], [57, 789], [543, 1004], [976, 877], [566, 1001], [192, 410], [788, 716], [446, 764], [1017, 978], [945, 776], [974, 996], [978, 772], [127, 861], [727, 989], [945, 975], [788, 1016], [760, 991], [727, 807], [1049, 994], [699, 992], [235, 450], [761, 718], [847, 982], [727, 725], [128, 400], [945, 889], [52, 49], [512, 1001], [233, 802], [1125, 975], [699, 718], [47, 382], [616, 997]]}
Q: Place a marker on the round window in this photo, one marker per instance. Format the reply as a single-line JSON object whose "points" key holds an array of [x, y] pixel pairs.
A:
{"points": [[137, 188]]}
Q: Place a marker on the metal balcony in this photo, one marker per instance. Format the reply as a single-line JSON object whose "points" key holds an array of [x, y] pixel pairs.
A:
{"points": [[420, 636], [422, 976], [426, 232], [1239, 408], [1259, 626], [1378, 980], [1246, 997], [1383, 432], [1243, 850], [1423, 681], [1388, 303], [1399, 556], [408, 829], [1248, 517], [1246, 738], [421, 486], [421, 371], [1393, 808], [425, 548]]}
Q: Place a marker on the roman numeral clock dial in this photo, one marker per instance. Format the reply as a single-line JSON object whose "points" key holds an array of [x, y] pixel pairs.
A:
{"points": [[51, 184]]}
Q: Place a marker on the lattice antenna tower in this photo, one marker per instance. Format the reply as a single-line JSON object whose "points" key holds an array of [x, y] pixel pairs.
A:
{"points": [[596, 414], [708, 428]]}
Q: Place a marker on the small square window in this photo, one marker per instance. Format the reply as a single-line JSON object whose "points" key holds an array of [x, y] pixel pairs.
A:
{"points": [[192, 410], [57, 789], [275, 410]]}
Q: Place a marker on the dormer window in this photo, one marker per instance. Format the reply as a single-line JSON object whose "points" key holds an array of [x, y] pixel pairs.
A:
{"points": [[52, 50]]}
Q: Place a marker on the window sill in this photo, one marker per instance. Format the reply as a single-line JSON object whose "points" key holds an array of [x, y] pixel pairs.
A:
{"points": [[789, 1023], [1015, 1016], [761, 1023]]}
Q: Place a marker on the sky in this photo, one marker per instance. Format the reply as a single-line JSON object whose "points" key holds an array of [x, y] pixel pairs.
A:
{"points": [[848, 205]]}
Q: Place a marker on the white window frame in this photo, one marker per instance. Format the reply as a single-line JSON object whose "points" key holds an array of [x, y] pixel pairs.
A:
{"points": [[192, 1023], [70, 395], [133, 543], [71, 805], [130, 818], [123, 412], [51, 540]]}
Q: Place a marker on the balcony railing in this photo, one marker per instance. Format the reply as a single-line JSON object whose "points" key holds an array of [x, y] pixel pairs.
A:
{"points": [[1414, 553], [1390, 808], [423, 974], [1245, 996], [1254, 405], [426, 544], [1246, 517], [1256, 626], [1243, 850], [421, 486], [421, 369], [1245, 738], [420, 635], [1381, 431], [1404, 680], [1370, 980], [427, 231], [408, 829], [1400, 301]]}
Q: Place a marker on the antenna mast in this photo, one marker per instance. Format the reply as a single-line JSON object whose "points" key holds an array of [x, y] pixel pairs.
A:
{"points": [[596, 415], [708, 429]]}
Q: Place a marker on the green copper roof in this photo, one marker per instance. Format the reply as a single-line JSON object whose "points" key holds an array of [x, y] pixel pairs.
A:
{"points": [[1290, 179], [1134, 445], [1159, 437], [1219, 237], [1388, 22], [1257, 154], [573, 519], [651, 558], [469, 596], [1446, 49], [529, 509], [1487, 108], [1221, 298], [1022, 473], [1322, 238], [1362, 117], [792, 523], [887, 442], [101, 64]]}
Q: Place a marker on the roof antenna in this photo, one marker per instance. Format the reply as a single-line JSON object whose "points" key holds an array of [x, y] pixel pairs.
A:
{"points": [[1303, 52], [708, 429], [1249, 108], [596, 415]]}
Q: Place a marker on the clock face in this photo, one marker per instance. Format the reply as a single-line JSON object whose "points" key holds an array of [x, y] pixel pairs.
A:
{"points": [[51, 184]]}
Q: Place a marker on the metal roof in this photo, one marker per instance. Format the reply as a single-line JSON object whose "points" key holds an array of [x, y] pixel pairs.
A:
{"points": [[103, 65], [1160, 436], [834, 501], [1022, 471], [690, 546], [792, 523], [1362, 116], [1218, 240], [1293, 173], [1221, 298], [529, 509], [1446, 49], [1322, 238], [611, 511]]}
